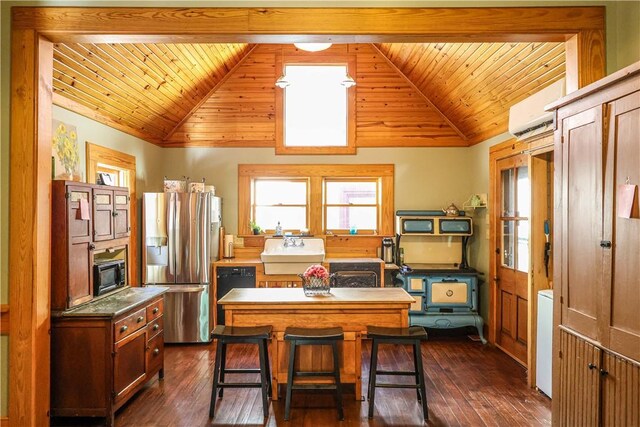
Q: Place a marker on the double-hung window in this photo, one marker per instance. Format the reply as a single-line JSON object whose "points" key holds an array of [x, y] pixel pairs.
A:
{"points": [[351, 204], [280, 200]]}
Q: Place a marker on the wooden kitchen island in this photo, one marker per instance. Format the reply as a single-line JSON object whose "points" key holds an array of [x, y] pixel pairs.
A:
{"points": [[351, 308]]}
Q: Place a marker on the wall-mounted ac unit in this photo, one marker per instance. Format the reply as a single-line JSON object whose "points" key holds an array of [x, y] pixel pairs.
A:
{"points": [[528, 118]]}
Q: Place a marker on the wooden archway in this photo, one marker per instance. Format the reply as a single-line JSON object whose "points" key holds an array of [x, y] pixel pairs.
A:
{"points": [[35, 29]]}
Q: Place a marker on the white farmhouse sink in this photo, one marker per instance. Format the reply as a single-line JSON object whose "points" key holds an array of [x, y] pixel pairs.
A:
{"points": [[291, 255]]}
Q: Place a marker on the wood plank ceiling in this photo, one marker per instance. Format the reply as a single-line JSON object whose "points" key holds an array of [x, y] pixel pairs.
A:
{"points": [[408, 94]]}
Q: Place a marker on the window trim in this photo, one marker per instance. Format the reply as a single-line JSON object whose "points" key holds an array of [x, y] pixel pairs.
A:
{"points": [[350, 61], [316, 173], [377, 204], [282, 178]]}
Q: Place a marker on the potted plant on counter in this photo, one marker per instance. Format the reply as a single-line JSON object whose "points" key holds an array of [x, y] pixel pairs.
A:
{"points": [[255, 228]]}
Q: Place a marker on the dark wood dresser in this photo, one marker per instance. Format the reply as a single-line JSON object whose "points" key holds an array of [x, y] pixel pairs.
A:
{"points": [[103, 352]]}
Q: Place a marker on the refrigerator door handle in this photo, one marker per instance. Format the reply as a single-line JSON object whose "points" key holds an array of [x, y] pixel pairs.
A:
{"points": [[185, 289], [171, 234]]}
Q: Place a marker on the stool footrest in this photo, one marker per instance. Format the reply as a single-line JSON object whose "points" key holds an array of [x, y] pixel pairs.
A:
{"points": [[412, 373], [313, 387], [315, 374], [390, 385], [241, 371], [240, 385]]}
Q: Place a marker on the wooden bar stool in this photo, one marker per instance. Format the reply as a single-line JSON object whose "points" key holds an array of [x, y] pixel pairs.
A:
{"points": [[310, 336], [241, 335], [413, 335]]}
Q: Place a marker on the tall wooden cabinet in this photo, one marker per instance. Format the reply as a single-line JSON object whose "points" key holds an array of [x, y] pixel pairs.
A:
{"points": [[597, 256]]}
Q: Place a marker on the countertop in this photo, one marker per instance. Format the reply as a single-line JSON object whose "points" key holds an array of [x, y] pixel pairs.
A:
{"points": [[259, 296], [116, 304], [228, 262]]}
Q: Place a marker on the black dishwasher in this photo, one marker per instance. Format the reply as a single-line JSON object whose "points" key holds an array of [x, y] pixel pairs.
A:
{"points": [[229, 278]]}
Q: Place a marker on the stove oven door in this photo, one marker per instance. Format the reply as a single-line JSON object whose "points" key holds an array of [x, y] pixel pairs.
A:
{"points": [[415, 286], [450, 294]]}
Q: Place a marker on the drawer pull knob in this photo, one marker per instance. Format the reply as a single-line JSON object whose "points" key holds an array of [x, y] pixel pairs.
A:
{"points": [[124, 328], [603, 372], [156, 351], [140, 319], [156, 327], [155, 310], [591, 366]]}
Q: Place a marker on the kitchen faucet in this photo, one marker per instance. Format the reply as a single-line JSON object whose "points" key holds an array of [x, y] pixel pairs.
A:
{"points": [[293, 242]]}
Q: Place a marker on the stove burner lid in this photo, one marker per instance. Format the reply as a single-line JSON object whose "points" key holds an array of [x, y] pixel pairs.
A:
{"points": [[429, 268]]}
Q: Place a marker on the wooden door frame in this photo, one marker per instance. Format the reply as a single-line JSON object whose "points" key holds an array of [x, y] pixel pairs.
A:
{"points": [[98, 154], [504, 150], [34, 29]]}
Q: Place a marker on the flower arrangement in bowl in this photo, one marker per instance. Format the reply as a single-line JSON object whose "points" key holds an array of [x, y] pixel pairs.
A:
{"points": [[315, 281]]}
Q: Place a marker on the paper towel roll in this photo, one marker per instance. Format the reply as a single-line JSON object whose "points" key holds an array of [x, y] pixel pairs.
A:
{"points": [[228, 246]]}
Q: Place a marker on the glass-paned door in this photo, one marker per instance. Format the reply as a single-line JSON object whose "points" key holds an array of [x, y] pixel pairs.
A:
{"points": [[512, 242]]}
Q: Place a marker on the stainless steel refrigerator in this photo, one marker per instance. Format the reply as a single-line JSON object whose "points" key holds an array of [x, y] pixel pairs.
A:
{"points": [[181, 235]]}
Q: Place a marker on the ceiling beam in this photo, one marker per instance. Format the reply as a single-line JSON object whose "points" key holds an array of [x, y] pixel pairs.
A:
{"points": [[424, 97], [363, 25], [210, 93]]}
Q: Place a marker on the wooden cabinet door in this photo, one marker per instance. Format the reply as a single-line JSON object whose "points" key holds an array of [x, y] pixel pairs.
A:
{"points": [[121, 225], [80, 249], [581, 220], [620, 392], [103, 212], [579, 377], [620, 322], [130, 363]]}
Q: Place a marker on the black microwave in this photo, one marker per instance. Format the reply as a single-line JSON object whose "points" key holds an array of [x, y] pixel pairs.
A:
{"points": [[108, 275]]}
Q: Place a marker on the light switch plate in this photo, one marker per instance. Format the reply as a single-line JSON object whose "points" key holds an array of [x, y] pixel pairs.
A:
{"points": [[238, 241]]}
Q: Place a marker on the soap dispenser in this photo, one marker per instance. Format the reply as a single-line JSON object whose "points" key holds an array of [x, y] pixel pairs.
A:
{"points": [[278, 229]]}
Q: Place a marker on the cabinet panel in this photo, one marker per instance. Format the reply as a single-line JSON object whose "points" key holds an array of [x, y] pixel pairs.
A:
{"points": [[620, 319], [103, 206], [155, 353], [80, 279], [79, 227], [130, 363], [579, 397], [121, 211], [582, 220], [620, 392]]}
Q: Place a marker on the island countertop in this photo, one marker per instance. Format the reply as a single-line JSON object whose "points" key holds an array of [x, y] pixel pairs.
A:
{"points": [[294, 296]]}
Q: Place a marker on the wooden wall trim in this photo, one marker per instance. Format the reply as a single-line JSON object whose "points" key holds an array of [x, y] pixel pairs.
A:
{"points": [[4, 422], [265, 24], [78, 108], [31, 100], [4, 319], [29, 228], [98, 154]]}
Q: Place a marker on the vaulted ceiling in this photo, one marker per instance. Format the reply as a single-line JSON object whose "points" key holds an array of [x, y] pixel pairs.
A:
{"points": [[408, 94]]}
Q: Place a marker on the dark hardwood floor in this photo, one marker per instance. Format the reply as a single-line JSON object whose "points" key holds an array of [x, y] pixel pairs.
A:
{"points": [[467, 385]]}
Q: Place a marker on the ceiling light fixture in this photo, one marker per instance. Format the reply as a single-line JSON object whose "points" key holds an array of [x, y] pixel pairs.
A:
{"points": [[282, 82], [348, 81], [312, 47]]}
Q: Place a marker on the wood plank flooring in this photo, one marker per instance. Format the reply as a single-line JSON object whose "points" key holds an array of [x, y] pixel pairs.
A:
{"points": [[467, 385]]}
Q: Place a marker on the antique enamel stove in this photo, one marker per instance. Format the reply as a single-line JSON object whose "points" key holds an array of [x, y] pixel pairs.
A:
{"points": [[435, 271]]}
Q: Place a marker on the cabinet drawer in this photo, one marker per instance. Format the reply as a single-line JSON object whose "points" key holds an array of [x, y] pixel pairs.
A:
{"points": [[155, 309], [155, 326], [130, 324], [155, 353]]}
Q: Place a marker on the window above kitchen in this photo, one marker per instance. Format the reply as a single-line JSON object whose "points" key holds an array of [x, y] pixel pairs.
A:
{"points": [[315, 106], [323, 198]]}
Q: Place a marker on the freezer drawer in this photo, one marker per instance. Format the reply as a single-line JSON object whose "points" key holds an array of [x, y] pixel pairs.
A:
{"points": [[186, 317]]}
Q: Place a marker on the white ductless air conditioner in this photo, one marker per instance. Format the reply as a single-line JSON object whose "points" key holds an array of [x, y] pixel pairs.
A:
{"points": [[528, 118]]}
